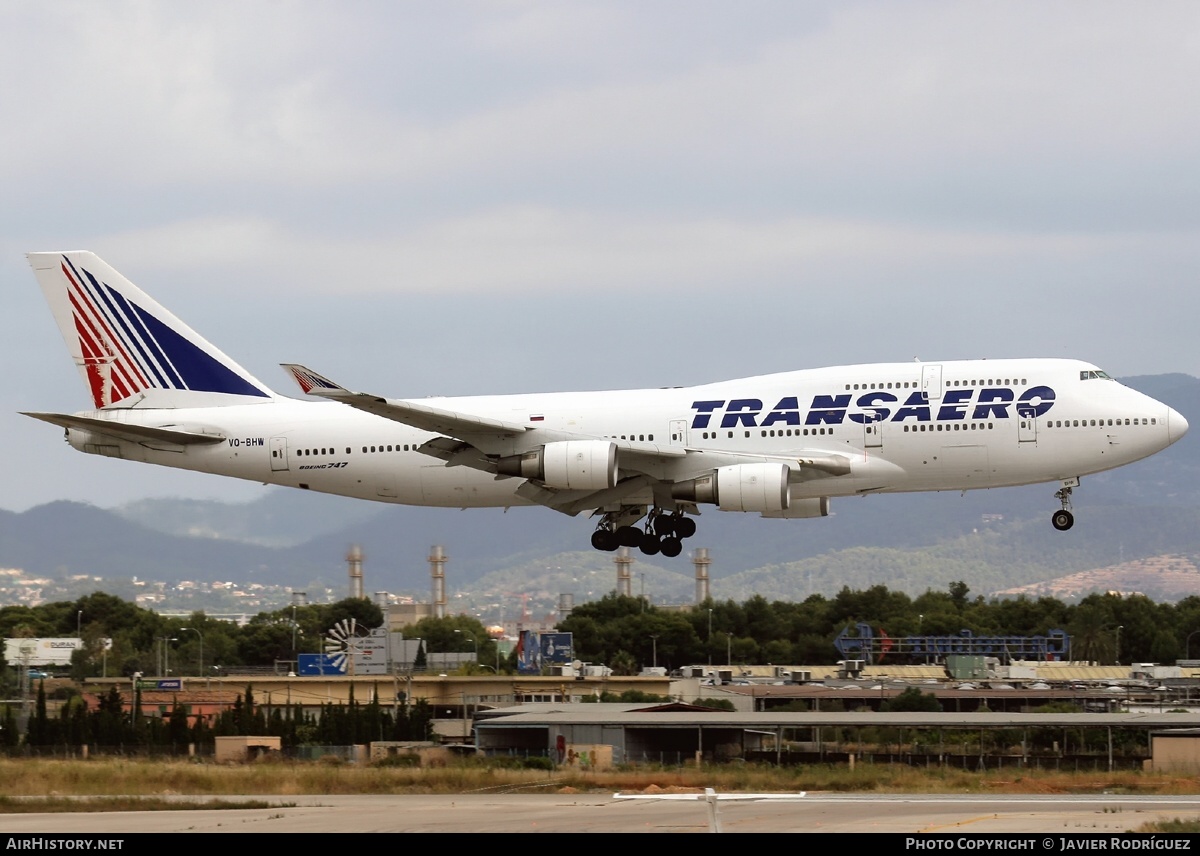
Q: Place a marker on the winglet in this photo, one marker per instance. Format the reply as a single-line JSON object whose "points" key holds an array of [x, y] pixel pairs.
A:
{"points": [[308, 380]]}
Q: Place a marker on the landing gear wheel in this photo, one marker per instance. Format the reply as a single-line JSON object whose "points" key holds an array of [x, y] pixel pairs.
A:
{"points": [[628, 536], [671, 547], [685, 527], [1063, 520], [650, 545], [604, 539]]}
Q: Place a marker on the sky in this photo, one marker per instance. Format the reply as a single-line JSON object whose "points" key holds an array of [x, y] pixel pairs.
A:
{"points": [[464, 198]]}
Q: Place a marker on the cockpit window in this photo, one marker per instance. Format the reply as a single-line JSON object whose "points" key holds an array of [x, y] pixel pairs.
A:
{"points": [[1093, 374]]}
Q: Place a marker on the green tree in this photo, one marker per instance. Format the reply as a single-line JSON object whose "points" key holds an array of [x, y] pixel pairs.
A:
{"points": [[1093, 631], [40, 731], [8, 679], [10, 735], [454, 634], [912, 699], [958, 594], [110, 722], [366, 613], [622, 663], [264, 640]]}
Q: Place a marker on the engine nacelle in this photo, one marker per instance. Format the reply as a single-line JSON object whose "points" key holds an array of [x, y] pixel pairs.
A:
{"points": [[744, 487], [811, 507], [570, 464]]}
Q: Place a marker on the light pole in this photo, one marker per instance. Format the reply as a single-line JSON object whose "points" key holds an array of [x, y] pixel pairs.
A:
{"points": [[201, 635], [654, 642], [1187, 646], [166, 654], [709, 640], [1120, 627], [474, 643]]}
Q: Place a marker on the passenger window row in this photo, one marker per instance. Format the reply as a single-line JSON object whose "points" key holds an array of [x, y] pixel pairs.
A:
{"points": [[1098, 423]]}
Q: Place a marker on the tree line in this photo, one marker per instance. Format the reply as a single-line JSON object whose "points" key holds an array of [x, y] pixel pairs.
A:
{"points": [[112, 725], [120, 638], [627, 633]]}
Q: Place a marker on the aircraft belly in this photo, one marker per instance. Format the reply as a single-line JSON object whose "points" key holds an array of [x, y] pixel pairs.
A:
{"points": [[461, 487], [965, 464]]}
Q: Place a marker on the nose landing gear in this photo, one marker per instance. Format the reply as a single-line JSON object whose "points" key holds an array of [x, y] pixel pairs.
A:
{"points": [[1064, 519]]}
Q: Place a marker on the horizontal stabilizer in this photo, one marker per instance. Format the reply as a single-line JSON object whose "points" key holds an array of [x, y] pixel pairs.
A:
{"points": [[131, 433]]}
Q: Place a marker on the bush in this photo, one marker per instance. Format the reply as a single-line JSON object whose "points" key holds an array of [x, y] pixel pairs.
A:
{"points": [[912, 699], [400, 759], [520, 762]]}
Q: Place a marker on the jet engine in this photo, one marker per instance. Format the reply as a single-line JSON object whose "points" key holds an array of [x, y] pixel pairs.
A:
{"points": [[744, 487], [570, 464]]}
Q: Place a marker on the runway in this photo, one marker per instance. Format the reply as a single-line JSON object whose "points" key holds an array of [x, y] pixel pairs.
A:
{"points": [[566, 813]]}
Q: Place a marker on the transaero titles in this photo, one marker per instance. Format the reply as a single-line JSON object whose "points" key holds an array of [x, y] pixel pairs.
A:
{"points": [[996, 402]]}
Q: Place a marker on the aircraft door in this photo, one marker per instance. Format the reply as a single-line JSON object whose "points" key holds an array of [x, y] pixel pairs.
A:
{"points": [[1026, 425], [873, 431], [931, 382], [678, 432], [279, 460]]}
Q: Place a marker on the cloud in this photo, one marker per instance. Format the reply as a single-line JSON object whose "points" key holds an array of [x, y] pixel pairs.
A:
{"points": [[530, 249], [926, 100]]}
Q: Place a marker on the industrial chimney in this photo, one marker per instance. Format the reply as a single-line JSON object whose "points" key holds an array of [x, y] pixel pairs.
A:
{"points": [[701, 562], [437, 570], [624, 578], [355, 559]]}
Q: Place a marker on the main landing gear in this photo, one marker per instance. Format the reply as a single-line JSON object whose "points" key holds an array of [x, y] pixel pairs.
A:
{"points": [[1064, 519], [664, 533]]}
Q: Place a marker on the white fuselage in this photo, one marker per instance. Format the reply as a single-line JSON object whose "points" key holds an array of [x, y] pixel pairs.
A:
{"points": [[902, 427]]}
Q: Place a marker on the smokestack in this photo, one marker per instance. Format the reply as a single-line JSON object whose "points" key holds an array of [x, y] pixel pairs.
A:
{"points": [[624, 578], [701, 562], [437, 570], [355, 559]]}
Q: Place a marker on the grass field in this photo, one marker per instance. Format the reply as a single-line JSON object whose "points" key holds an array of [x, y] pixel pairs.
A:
{"points": [[135, 777]]}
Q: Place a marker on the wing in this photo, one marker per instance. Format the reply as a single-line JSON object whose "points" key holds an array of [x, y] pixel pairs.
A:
{"points": [[420, 416], [644, 471]]}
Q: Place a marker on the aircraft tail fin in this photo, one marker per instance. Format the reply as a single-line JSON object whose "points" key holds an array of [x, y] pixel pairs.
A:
{"points": [[128, 347]]}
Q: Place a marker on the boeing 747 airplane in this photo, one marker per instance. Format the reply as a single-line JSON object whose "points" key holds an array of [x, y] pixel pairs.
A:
{"points": [[641, 462]]}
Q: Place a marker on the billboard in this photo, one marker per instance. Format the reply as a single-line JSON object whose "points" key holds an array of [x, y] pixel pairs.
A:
{"points": [[358, 655], [535, 650], [556, 648], [40, 652], [310, 665]]}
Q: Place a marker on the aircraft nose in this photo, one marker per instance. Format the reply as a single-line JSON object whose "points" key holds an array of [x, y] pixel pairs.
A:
{"points": [[1177, 426]]}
